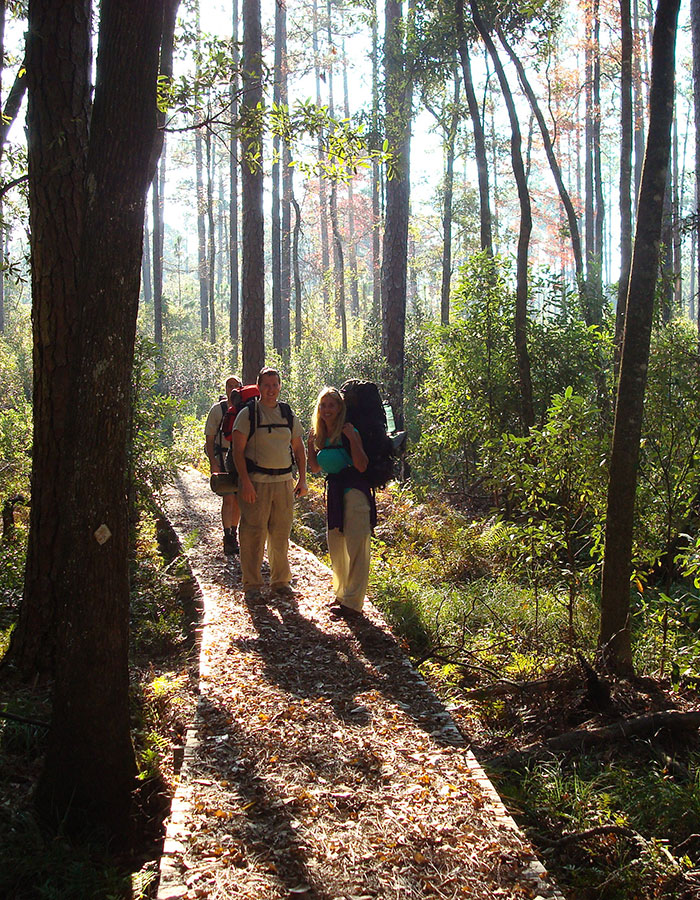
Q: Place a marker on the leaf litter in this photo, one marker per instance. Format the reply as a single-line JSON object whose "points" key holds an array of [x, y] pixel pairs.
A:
{"points": [[322, 765]]}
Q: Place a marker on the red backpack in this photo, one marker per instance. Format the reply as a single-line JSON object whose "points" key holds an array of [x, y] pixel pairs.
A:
{"points": [[238, 400]]}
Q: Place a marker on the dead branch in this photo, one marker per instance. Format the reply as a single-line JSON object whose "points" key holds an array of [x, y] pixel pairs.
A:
{"points": [[640, 726]]}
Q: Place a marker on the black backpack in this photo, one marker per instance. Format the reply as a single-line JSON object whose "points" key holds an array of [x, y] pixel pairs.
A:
{"points": [[365, 410]]}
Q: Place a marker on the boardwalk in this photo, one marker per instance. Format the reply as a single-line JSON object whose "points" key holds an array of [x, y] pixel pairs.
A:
{"points": [[320, 765]]}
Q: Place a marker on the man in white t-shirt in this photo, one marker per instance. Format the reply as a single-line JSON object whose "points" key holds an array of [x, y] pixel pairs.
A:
{"points": [[216, 448], [262, 452]]}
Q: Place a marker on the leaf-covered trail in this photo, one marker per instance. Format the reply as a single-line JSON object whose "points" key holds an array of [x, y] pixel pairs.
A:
{"points": [[320, 765]]}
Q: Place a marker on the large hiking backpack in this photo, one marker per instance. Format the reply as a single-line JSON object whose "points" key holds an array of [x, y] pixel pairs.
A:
{"points": [[229, 411], [239, 398], [365, 410]]}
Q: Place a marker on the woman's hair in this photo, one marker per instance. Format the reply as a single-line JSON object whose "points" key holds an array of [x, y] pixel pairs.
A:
{"points": [[319, 425]]}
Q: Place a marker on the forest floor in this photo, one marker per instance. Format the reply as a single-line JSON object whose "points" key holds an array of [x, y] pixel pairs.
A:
{"points": [[319, 763]]}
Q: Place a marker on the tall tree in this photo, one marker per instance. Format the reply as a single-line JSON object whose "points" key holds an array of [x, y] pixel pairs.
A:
{"points": [[253, 250], [85, 295], [376, 181], [554, 166], [234, 307], [695, 32], [287, 192], [211, 235], [398, 101], [527, 413], [352, 247], [200, 189], [58, 113], [276, 212], [486, 229], [626, 137], [615, 638], [322, 189]]}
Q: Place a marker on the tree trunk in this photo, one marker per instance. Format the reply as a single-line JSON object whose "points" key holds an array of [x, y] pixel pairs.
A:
{"points": [[89, 766], [638, 63], [201, 232], [521, 317], [253, 256], [339, 265], [450, 139], [211, 238], [322, 193], [398, 88], [551, 158], [695, 32], [275, 211], [297, 276], [287, 188], [352, 249], [376, 183], [233, 200], [614, 639], [58, 112], [146, 271], [626, 135], [479, 137], [158, 187]]}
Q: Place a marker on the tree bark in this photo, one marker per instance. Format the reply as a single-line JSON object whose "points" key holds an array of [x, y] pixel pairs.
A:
{"points": [[551, 158], [286, 218], [233, 200], [376, 184], [527, 412], [275, 211], [352, 249], [614, 640], [58, 113], [297, 276], [482, 167], [322, 192], [447, 194], [626, 136], [398, 88], [211, 238], [89, 766], [253, 255]]}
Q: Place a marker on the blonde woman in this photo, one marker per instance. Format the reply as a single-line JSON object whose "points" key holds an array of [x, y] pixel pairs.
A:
{"points": [[335, 447]]}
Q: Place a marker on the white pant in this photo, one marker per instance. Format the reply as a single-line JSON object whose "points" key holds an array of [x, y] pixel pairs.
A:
{"points": [[349, 551]]}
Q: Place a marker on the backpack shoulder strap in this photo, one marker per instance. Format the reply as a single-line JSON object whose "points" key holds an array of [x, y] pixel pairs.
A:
{"points": [[286, 411], [253, 416]]}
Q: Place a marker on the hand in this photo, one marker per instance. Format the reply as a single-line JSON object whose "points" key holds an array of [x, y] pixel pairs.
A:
{"points": [[247, 491], [348, 431], [301, 488]]}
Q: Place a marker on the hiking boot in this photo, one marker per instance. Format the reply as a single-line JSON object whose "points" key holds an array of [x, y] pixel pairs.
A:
{"points": [[253, 595], [283, 590], [231, 547]]}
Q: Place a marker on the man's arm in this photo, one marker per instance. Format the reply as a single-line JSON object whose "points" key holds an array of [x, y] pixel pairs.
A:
{"points": [[246, 491], [300, 457], [214, 465]]}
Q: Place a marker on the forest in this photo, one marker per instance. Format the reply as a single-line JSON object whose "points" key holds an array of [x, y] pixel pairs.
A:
{"points": [[489, 209]]}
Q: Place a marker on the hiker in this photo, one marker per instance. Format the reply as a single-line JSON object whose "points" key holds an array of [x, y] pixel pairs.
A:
{"points": [[267, 437], [335, 447], [216, 447]]}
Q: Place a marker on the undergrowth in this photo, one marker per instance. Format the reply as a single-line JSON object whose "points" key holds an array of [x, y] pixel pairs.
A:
{"points": [[36, 865], [475, 611]]}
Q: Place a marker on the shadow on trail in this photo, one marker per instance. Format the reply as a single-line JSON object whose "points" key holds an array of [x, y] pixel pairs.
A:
{"points": [[257, 816], [309, 662]]}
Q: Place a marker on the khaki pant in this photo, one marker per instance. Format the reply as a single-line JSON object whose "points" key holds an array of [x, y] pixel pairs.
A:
{"points": [[268, 519], [349, 551]]}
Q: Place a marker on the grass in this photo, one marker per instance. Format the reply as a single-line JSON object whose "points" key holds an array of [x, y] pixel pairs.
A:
{"points": [[472, 614]]}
